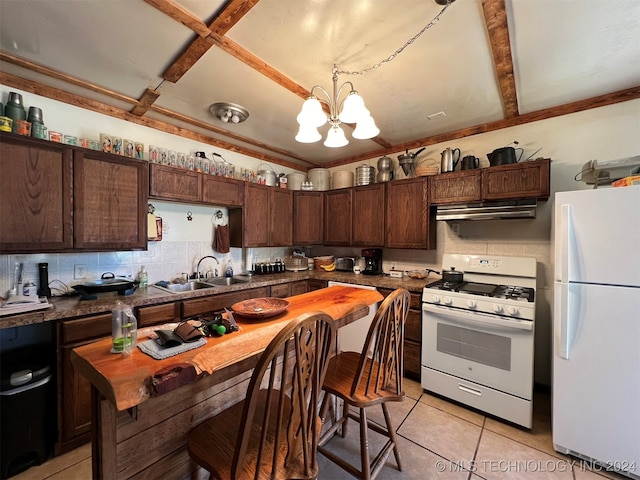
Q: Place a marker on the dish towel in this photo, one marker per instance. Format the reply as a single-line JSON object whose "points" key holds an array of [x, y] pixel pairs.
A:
{"points": [[153, 349], [222, 239]]}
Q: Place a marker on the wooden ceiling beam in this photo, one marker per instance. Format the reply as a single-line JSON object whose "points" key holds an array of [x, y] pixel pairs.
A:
{"points": [[115, 112], [182, 15], [146, 100], [495, 17], [227, 18], [53, 73], [632, 93]]}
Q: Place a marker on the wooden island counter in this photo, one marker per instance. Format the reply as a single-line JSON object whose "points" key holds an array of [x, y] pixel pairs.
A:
{"points": [[139, 435]]}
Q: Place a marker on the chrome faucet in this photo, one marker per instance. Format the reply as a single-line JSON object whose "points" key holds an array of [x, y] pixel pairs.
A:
{"points": [[200, 261]]}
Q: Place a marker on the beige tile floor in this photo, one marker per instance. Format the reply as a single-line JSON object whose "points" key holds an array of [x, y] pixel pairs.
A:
{"points": [[438, 439]]}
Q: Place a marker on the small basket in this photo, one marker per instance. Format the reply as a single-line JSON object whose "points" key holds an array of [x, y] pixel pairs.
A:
{"points": [[431, 168]]}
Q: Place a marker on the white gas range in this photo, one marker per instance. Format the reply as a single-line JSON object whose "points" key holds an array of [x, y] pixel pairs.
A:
{"points": [[478, 335]]}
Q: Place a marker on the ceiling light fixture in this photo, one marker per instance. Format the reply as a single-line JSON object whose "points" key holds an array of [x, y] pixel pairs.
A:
{"points": [[350, 109], [229, 112]]}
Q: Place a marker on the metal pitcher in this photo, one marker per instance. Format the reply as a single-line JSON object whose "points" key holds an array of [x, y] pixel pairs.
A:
{"points": [[449, 160]]}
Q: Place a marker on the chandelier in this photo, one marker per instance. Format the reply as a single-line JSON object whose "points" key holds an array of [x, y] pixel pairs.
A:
{"points": [[350, 109]]}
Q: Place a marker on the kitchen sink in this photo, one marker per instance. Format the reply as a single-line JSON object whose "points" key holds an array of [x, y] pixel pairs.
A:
{"points": [[224, 281], [185, 287]]}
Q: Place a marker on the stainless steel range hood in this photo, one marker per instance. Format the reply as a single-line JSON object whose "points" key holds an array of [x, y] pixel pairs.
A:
{"points": [[488, 210]]}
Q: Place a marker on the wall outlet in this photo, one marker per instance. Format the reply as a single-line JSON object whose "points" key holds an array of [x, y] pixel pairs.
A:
{"points": [[79, 272]]}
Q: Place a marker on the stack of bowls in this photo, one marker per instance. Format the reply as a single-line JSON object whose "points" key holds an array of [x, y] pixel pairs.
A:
{"points": [[365, 175]]}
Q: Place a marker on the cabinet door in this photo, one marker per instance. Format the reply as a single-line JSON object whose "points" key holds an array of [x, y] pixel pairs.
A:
{"points": [[249, 226], [455, 187], [170, 183], [36, 179], [337, 218], [221, 191], [410, 221], [308, 218], [75, 404], [368, 217], [520, 180], [110, 201], [280, 217]]}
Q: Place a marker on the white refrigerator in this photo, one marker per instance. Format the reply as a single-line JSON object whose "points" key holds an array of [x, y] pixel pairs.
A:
{"points": [[596, 327]]}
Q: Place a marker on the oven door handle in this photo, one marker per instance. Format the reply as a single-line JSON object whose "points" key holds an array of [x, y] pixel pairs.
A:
{"points": [[478, 318]]}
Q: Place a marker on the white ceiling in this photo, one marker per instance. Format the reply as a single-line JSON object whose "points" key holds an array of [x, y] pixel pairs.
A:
{"points": [[563, 51]]}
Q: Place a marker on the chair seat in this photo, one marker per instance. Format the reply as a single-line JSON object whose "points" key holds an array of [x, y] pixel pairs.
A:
{"points": [[212, 444], [339, 380]]}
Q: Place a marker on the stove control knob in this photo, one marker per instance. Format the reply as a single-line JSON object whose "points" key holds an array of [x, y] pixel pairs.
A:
{"points": [[513, 311], [497, 308], [436, 298], [472, 304], [447, 300]]}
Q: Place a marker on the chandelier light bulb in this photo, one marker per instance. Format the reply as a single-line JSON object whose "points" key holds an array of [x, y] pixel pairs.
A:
{"points": [[308, 134], [366, 128], [311, 113], [335, 137], [353, 108]]}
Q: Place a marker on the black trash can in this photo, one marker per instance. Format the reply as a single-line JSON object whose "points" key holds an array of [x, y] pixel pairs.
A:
{"points": [[27, 411]]}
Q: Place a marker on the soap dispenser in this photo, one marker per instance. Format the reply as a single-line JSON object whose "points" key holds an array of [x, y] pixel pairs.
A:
{"points": [[143, 277], [228, 272]]}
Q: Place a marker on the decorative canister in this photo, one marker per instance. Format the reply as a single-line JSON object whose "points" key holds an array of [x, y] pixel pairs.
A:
{"points": [[342, 179], [268, 176], [294, 180], [320, 178]]}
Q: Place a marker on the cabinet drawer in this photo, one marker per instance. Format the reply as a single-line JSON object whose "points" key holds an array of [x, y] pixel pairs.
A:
{"points": [[86, 328], [281, 291], [157, 314], [412, 360], [312, 285], [413, 326], [219, 302]]}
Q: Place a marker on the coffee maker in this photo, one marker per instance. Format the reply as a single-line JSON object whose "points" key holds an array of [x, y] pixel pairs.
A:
{"points": [[372, 261]]}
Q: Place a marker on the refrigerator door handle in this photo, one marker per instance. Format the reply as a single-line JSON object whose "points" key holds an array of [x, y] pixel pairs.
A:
{"points": [[565, 238], [563, 317]]}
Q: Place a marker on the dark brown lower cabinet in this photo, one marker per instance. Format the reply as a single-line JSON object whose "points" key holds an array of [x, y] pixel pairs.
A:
{"points": [[74, 391]]}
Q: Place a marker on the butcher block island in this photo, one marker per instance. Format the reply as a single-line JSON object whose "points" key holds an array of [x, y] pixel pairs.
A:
{"points": [[138, 433]]}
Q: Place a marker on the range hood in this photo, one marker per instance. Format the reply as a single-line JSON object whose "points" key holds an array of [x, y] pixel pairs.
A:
{"points": [[488, 210]]}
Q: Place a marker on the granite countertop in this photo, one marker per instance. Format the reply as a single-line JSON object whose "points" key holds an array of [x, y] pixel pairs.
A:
{"points": [[73, 306]]}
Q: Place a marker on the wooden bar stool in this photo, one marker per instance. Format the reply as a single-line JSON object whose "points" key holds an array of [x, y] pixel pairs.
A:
{"points": [[274, 431], [362, 381]]}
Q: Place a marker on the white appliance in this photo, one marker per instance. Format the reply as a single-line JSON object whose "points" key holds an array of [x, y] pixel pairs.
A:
{"points": [[351, 337], [596, 327], [478, 335]]}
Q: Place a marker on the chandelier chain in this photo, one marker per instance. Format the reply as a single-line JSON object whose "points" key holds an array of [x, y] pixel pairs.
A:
{"points": [[391, 57]]}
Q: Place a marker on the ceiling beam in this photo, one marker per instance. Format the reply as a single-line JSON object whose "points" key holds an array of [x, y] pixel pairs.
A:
{"points": [[182, 15], [146, 100], [221, 24], [632, 93], [495, 17], [115, 112], [53, 73]]}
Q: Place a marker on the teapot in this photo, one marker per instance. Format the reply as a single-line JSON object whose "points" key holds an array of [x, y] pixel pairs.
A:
{"points": [[449, 161]]}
